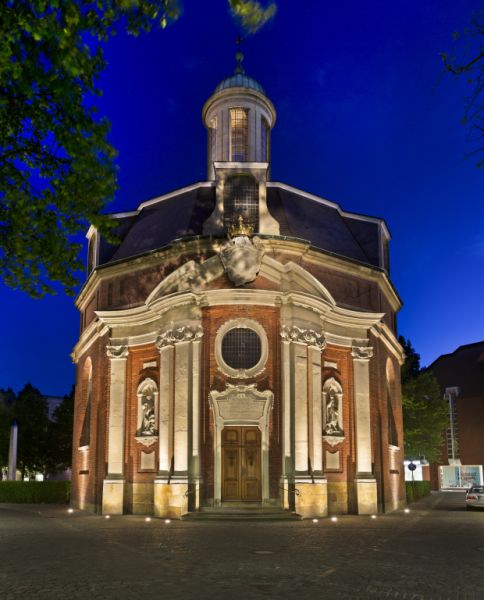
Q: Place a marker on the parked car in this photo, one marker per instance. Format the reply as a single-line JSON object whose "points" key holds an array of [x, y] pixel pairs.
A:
{"points": [[475, 497]]}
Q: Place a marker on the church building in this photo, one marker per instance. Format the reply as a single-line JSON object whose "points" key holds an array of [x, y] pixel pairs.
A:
{"points": [[238, 345]]}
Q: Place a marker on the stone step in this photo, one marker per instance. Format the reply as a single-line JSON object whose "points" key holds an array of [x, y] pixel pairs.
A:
{"points": [[240, 514]]}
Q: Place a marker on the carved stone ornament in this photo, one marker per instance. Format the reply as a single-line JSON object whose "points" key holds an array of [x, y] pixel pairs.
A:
{"points": [[147, 441], [241, 259], [333, 440], [241, 403], [362, 352], [117, 351], [185, 333], [303, 336]]}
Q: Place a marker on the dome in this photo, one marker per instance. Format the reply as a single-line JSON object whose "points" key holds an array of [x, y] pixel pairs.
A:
{"points": [[240, 80]]}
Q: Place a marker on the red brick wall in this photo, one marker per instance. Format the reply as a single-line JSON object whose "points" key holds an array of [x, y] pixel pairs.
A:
{"points": [[214, 379], [89, 466]]}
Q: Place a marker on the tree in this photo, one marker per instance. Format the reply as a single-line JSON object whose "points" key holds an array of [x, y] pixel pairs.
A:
{"points": [[470, 65], [60, 435], [411, 366], [32, 414], [6, 417], [57, 169], [425, 412]]}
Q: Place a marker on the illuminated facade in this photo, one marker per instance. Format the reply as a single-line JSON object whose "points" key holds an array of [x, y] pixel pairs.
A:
{"points": [[238, 345]]}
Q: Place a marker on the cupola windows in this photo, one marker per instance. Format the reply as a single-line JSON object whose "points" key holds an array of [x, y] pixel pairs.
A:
{"points": [[212, 139], [264, 140], [239, 138], [241, 198]]}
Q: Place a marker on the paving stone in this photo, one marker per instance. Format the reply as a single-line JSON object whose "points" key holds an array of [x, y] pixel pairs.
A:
{"points": [[431, 553]]}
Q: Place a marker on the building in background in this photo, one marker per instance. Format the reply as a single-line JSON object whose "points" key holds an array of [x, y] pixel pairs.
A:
{"points": [[238, 345], [461, 378]]}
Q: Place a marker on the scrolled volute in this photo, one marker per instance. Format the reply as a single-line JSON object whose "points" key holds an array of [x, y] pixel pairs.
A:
{"points": [[185, 333], [298, 335]]}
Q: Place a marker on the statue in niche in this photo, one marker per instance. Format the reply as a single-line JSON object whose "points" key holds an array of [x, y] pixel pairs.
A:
{"points": [[332, 407], [147, 425]]}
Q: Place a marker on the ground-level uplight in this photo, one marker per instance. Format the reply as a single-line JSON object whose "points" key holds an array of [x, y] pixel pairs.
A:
{"points": [[315, 520], [407, 510], [167, 521], [373, 516], [70, 510], [334, 519], [148, 519], [107, 516]]}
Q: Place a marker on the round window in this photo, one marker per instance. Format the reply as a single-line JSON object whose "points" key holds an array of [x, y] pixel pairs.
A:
{"points": [[241, 348]]}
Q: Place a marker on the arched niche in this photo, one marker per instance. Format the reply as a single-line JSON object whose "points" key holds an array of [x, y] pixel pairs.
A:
{"points": [[332, 409], [147, 420]]}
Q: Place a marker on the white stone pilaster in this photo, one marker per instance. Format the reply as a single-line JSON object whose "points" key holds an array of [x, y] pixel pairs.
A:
{"points": [[300, 381], [179, 419], [366, 491], [165, 409], [182, 396], [195, 446], [113, 485], [315, 420]]}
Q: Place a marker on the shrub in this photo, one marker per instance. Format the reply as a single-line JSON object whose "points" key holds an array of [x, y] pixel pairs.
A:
{"points": [[416, 490], [35, 492]]}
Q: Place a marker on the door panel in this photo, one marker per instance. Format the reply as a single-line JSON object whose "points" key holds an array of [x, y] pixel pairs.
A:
{"points": [[241, 464]]}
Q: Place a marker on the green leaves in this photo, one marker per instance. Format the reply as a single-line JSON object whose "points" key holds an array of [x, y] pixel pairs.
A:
{"points": [[425, 416], [57, 170], [250, 15]]}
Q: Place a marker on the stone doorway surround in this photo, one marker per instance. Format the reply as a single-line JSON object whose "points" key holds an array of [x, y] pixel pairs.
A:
{"points": [[241, 405]]}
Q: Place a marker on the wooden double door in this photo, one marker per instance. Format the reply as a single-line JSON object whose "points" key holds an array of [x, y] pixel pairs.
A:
{"points": [[241, 464]]}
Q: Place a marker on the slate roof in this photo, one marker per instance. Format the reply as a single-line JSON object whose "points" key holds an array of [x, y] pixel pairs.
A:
{"points": [[182, 214], [463, 368]]}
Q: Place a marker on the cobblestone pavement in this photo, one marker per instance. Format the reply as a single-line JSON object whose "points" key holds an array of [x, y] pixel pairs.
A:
{"points": [[435, 551]]}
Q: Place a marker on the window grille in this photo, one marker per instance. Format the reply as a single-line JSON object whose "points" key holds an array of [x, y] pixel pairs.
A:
{"points": [[241, 197], [238, 134], [241, 348]]}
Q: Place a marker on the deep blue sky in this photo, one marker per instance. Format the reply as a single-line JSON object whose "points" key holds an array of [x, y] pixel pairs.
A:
{"points": [[365, 119]]}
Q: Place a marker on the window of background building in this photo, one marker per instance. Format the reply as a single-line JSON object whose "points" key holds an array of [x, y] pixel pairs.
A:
{"points": [[241, 197], [238, 134]]}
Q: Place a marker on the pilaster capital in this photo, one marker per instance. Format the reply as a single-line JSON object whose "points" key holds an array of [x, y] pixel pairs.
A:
{"points": [[119, 352], [309, 337], [185, 333], [361, 352]]}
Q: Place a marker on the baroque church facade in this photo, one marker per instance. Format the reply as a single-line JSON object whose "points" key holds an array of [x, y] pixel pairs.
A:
{"points": [[238, 344]]}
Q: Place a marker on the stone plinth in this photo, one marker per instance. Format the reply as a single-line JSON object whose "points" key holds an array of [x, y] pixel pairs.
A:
{"points": [[170, 499], [113, 495], [312, 500], [366, 496]]}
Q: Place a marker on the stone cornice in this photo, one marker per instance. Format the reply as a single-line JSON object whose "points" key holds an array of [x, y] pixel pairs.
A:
{"points": [[272, 244], [90, 335]]}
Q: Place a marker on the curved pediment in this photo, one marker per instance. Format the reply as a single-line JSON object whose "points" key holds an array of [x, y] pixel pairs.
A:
{"points": [[197, 277]]}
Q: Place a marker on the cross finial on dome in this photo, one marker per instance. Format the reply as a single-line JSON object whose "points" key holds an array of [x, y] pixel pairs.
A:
{"points": [[239, 57]]}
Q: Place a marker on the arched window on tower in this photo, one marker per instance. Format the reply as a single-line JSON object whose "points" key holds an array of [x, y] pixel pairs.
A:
{"points": [[241, 198], [212, 140], [239, 138], [264, 140]]}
